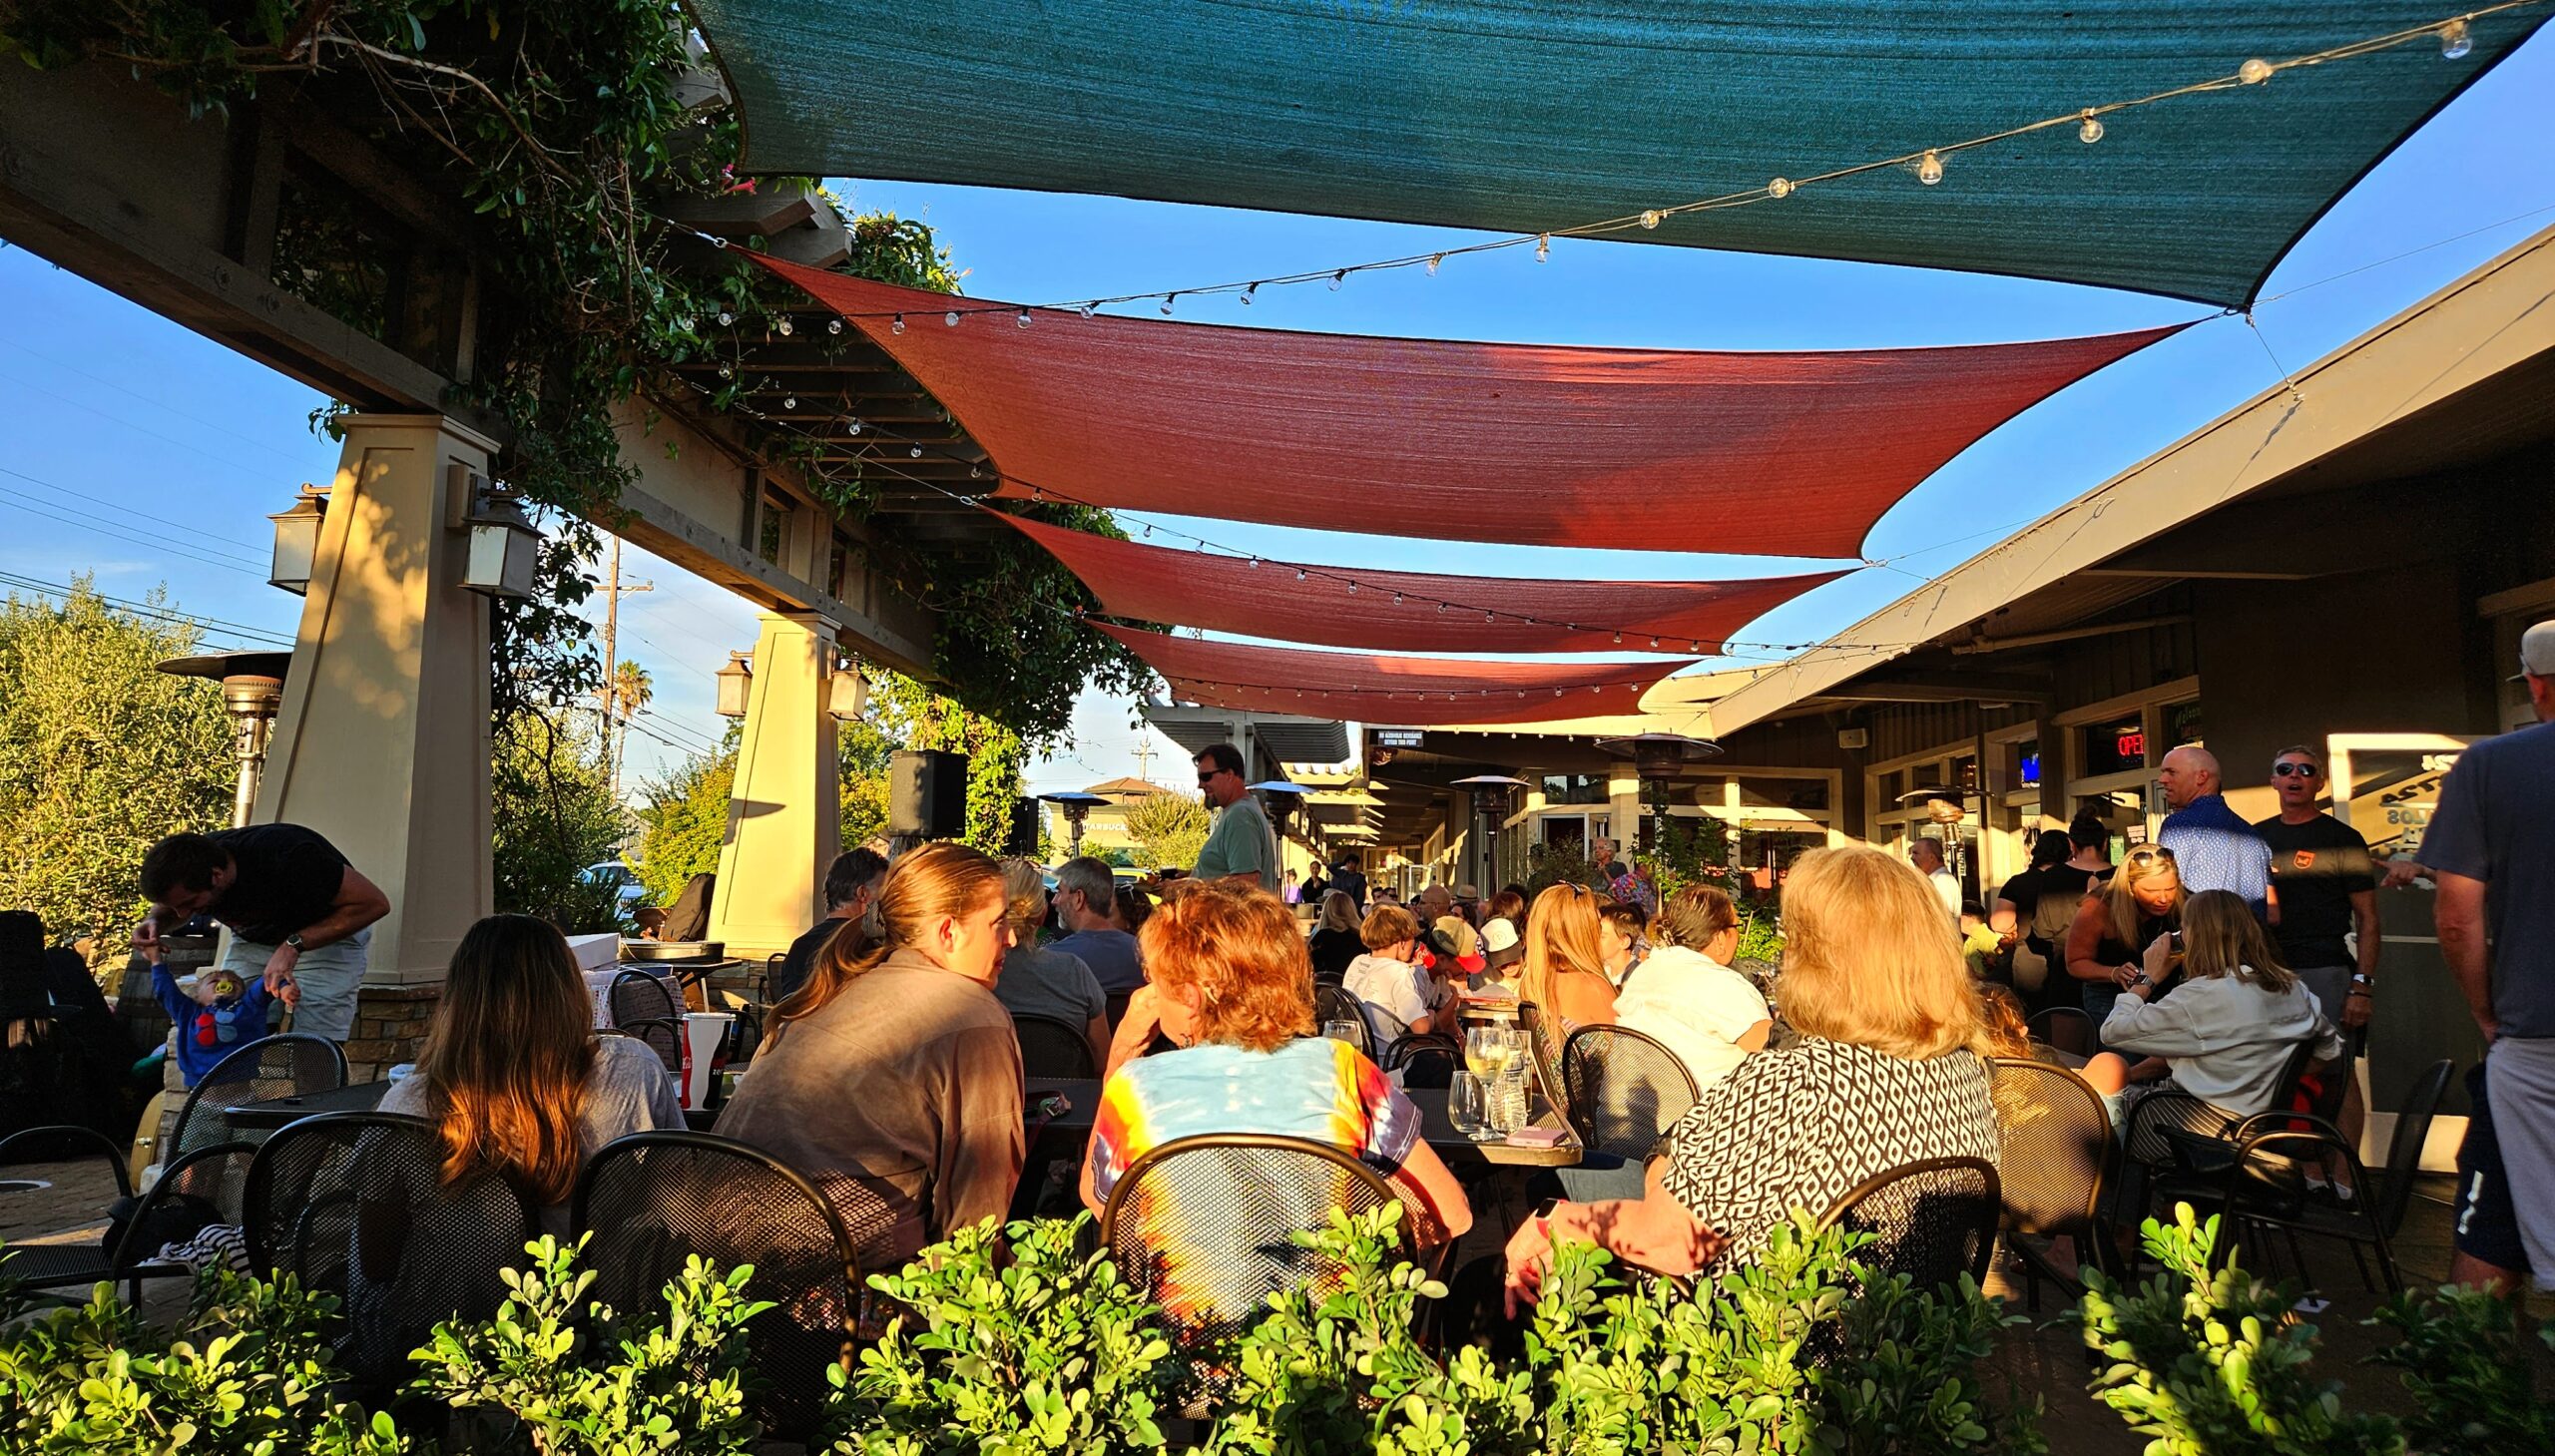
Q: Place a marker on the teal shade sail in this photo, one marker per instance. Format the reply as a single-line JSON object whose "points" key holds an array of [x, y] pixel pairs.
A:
{"points": [[1533, 115]]}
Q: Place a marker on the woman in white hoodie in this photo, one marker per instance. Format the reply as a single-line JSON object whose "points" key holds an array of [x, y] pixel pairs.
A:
{"points": [[1683, 993], [2226, 1032]]}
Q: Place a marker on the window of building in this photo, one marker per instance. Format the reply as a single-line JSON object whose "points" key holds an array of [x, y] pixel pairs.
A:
{"points": [[773, 534], [2114, 748], [1562, 788]]}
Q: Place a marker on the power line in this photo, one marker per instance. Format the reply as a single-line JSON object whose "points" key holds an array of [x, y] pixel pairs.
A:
{"points": [[263, 472], [254, 551], [70, 368], [44, 510], [63, 591]]}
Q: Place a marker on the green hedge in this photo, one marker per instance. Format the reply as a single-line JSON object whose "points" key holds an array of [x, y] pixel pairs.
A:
{"points": [[1014, 1344]]}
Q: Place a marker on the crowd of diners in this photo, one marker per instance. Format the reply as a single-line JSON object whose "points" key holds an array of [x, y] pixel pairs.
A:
{"points": [[891, 1068]]}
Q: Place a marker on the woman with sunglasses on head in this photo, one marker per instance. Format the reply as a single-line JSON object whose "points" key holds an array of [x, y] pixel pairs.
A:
{"points": [[2105, 945]]}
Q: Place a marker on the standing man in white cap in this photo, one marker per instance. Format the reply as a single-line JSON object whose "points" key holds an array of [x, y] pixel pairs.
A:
{"points": [[2490, 848]]}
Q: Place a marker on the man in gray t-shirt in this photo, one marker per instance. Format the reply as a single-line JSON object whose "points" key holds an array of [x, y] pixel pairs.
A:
{"points": [[2490, 846], [1241, 843]]}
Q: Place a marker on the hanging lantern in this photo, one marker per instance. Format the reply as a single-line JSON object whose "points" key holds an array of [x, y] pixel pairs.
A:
{"points": [[504, 547], [296, 550], [734, 679], [847, 693]]}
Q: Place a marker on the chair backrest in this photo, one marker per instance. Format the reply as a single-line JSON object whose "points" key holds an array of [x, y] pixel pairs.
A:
{"points": [[663, 1036], [1201, 1224], [354, 1205], [2064, 1028], [2405, 1149], [1423, 1058], [687, 919], [1052, 1048], [1545, 1053], [1624, 1090], [293, 1063], [1117, 1007], [1932, 1220], [651, 1199], [2055, 1145], [217, 1173], [642, 996], [1331, 1003]]}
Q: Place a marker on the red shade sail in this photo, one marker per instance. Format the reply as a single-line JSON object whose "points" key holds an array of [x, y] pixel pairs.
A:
{"points": [[1645, 449], [1416, 691], [1409, 611]]}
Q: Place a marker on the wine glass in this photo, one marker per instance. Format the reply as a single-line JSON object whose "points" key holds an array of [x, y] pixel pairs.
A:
{"points": [[1468, 1106]]}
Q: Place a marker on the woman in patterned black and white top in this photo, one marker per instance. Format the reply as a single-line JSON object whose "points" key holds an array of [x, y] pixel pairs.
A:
{"points": [[1884, 1075]]}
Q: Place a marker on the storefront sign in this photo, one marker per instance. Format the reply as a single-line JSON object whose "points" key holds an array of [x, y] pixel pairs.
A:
{"points": [[2386, 786]]}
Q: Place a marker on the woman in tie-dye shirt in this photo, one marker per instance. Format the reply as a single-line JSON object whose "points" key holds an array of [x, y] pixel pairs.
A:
{"points": [[1228, 982]]}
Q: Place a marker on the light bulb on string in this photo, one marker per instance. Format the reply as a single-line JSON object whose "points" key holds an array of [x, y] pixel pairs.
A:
{"points": [[1649, 218], [1434, 260], [789, 403], [1543, 248], [2456, 42], [1023, 320], [915, 452], [726, 371], [851, 423], [785, 327], [1299, 573], [1352, 586], [898, 326], [1654, 641], [1338, 278], [1929, 168], [1779, 188], [2089, 128], [1088, 309], [1166, 302], [1248, 293], [726, 318], [2254, 72], [833, 326], [1254, 563], [950, 318]]}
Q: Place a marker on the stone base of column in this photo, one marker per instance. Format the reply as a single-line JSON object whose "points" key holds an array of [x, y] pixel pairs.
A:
{"points": [[391, 1027]]}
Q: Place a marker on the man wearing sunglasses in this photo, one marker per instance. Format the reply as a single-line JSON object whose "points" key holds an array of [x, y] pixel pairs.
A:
{"points": [[2327, 889], [1241, 844]]}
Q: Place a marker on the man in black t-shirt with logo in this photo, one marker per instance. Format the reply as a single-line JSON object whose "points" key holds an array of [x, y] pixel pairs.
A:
{"points": [[2327, 888], [298, 913]]}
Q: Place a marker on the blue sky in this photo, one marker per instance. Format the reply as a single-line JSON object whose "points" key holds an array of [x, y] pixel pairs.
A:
{"points": [[146, 455]]}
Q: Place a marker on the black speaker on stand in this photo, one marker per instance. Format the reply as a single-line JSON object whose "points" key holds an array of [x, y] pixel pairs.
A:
{"points": [[926, 793]]}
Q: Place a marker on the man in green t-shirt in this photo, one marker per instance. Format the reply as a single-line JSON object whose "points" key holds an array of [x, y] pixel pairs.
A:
{"points": [[1241, 843]]}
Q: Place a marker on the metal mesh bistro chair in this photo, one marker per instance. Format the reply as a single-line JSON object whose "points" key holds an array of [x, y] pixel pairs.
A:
{"points": [[1425, 1058], [1624, 1090], [2055, 1156], [293, 1063], [1053, 1048], [651, 1199], [1932, 1220], [354, 1205], [662, 1035], [2265, 1188], [213, 1174], [1331, 1003], [2064, 1029], [1545, 1054], [1203, 1226], [641, 996]]}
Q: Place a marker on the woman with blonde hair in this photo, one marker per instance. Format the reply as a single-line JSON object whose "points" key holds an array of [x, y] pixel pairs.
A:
{"points": [[2226, 1033], [1337, 937], [1228, 983], [1565, 975], [2143, 901], [1884, 1075], [1040, 980], [892, 1078], [513, 1075]]}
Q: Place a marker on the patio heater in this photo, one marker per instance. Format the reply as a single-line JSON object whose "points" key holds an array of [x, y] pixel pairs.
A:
{"points": [[1945, 814], [252, 691], [1076, 806], [1281, 799], [1658, 759], [1490, 792]]}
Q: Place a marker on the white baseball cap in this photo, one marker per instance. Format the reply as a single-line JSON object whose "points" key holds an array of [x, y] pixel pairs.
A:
{"points": [[2537, 652]]}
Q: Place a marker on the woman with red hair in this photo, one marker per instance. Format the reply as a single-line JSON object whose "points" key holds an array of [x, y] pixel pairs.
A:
{"points": [[1228, 982]]}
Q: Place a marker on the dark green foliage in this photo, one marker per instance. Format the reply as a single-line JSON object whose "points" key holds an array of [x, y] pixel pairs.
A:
{"points": [[2470, 1373]]}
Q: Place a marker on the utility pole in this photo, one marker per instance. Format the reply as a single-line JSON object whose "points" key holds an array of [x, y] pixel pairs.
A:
{"points": [[613, 588], [1145, 759]]}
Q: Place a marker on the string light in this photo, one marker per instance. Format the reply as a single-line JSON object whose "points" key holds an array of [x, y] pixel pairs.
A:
{"points": [[786, 326], [1543, 248], [915, 452], [833, 326], [2090, 129], [1434, 260], [789, 403], [1338, 278], [1779, 188], [726, 371], [852, 424], [1649, 219], [1166, 301], [726, 318], [2254, 72], [2456, 43], [898, 326], [1352, 586], [1396, 599], [1089, 309], [950, 318], [1929, 168], [1023, 320]]}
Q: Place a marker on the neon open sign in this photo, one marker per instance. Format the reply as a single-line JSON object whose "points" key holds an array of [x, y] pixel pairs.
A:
{"points": [[2130, 745]]}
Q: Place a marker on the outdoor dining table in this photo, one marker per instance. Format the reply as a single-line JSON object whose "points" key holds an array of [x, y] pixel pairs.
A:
{"points": [[362, 1097]]}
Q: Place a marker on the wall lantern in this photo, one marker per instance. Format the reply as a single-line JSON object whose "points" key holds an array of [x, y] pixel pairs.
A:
{"points": [[504, 547], [734, 682], [298, 540], [847, 693]]}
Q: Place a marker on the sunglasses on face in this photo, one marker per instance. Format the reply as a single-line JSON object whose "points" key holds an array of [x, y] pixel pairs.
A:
{"points": [[1207, 777], [2286, 770]]}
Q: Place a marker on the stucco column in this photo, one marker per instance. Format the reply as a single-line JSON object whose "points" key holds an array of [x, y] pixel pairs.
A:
{"points": [[784, 820], [382, 742]]}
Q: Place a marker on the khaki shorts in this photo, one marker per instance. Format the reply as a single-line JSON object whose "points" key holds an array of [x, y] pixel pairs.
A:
{"points": [[329, 976]]}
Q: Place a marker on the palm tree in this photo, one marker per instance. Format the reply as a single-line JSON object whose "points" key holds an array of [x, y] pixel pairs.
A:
{"points": [[630, 690]]}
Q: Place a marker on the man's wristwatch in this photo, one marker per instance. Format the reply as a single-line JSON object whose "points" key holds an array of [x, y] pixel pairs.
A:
{"points": [[2361, 985], [294, 940]]}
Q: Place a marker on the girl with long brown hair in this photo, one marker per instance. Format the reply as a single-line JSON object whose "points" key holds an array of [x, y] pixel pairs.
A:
{"points": [[893, 1079], [2226, 1033], [513, 1075]]}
